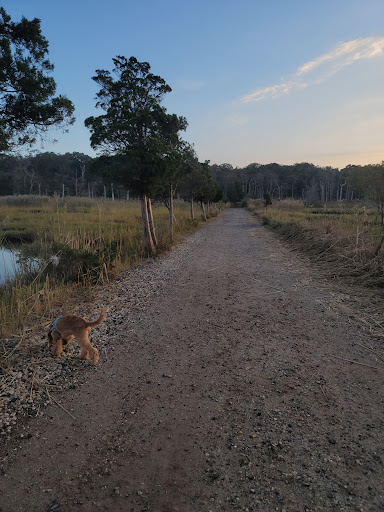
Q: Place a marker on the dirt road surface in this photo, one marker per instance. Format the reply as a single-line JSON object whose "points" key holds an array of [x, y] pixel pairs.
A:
{"points": [[226, 387]]}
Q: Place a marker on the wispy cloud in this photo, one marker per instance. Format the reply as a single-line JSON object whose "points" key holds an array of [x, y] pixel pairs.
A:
{"points": [[321, 68], [272, 91]]}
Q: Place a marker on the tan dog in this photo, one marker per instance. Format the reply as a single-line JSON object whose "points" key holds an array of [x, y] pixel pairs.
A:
{"points": [[67, 327]]}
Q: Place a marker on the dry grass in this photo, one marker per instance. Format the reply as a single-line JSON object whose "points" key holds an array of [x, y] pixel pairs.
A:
{"points": [[343, 239], [78, 242]]}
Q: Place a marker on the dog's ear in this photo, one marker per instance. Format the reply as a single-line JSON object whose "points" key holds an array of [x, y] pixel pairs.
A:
{"points": [[50, 337]]}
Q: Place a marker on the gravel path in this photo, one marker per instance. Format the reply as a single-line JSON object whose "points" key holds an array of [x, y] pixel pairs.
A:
{"points": [[223, 385]]}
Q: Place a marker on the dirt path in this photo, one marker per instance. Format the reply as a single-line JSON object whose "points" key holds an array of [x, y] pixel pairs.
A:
{"points": [[223, 391]]}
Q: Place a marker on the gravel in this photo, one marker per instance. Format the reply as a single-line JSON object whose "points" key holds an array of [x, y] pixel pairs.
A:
{"points": [[232, 376], [28, 372]]}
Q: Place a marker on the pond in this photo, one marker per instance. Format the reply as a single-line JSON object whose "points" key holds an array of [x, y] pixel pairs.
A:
{"points": [[15, 263], [8, 265]]}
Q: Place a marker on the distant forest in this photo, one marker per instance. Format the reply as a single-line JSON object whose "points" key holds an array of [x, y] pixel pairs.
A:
{"points": [[72, 174], [304, 181]]}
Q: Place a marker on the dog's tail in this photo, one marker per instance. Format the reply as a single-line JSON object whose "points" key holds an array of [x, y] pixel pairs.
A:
{"points": [[99, 320]]}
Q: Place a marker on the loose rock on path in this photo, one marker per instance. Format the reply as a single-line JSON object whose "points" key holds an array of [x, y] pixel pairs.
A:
{"points": [[224, 384]]}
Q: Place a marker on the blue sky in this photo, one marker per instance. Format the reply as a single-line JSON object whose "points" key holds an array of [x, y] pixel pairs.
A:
{"points": [[259, 81]]}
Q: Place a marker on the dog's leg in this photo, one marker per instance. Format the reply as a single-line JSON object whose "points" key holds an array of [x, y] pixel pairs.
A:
{"points": [[57, 348], [68, 339], [51, 341], [84, 353], [87, 349], [95, 355], [90, 351]]}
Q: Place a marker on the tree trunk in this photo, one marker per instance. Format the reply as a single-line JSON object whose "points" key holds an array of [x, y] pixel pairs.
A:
{"points": [[170, 214], [147, 231], [379, 246], [192, 212], [76, 184], [203, 211], [150, 219], [31, 183], [380, 207]]}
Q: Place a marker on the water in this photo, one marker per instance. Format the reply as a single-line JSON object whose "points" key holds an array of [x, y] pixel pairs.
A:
{"points": [[8, 265], [11, 266]]}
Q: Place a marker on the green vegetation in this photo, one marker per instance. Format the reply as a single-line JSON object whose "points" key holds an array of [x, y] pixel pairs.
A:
{"points": [[77, 242], [344, 236], [27, 102], [139, 140]]}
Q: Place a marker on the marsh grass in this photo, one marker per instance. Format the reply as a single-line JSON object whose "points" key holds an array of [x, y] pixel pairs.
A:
{"points": [[74, 243], [343, 237]]}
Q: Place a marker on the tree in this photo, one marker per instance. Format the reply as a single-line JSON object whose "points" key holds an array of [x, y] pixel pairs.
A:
{"points": [[199, 186], [370, 179], [135, 134], [192, 182], [8, 165], [79, 165], [178, 162], [27, 102], [267, 199], [235, 191]]}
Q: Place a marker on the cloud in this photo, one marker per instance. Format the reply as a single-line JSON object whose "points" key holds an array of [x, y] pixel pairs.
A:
{"points": [[265, 92], [345, 54], [321, 68]]}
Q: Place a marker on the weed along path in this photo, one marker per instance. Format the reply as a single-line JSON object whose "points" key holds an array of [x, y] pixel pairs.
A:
{"points": [[224, 384]]}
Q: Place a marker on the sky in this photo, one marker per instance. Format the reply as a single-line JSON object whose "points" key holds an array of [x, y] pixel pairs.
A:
{"points": [[259, 81]]}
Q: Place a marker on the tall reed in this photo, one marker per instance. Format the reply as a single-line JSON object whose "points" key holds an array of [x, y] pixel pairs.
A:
{"points": [[343, 236], [74, 243]]}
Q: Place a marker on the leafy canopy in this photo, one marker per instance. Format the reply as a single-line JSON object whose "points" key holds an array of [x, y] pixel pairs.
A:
{"points": [[27, 102], [135, 134]]}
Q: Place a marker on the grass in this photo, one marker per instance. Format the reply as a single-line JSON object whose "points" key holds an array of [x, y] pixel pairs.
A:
{"points": [[77, 242], [342, 236]]}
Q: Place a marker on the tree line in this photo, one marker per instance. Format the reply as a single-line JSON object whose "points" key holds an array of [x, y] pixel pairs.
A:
{"points": [[77, 174], [48, 174], [304, 181]]}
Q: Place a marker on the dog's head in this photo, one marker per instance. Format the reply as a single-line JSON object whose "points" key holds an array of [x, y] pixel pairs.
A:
{"points": [[50, 338]]}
